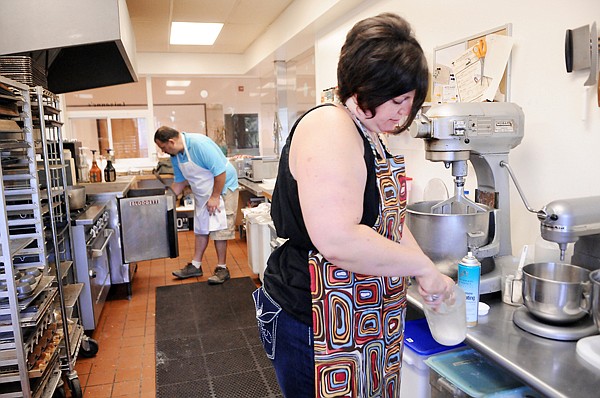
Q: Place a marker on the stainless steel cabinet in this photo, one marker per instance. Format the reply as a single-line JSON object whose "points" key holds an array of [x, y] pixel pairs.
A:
{"points": [[91, 238], [148, 227]]}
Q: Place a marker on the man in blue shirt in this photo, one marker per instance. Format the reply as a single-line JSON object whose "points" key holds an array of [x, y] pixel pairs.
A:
{"points": [[200, 163]]}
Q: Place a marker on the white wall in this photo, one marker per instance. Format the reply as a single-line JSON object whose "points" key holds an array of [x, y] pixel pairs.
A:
{"points": [[558, 157]]}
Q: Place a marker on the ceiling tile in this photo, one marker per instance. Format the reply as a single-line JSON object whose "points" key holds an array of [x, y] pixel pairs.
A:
{"points": [[150, 36], [202, 10], [245, 21], [151, 10], [241, 36], [260, 12]]}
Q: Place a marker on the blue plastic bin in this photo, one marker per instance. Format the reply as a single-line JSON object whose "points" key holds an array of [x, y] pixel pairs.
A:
{"points": [[418, 346]]}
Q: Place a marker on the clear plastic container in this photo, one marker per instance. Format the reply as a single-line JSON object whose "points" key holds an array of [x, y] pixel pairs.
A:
{"points": [[466, 373], [448, 321], [83, 166]]}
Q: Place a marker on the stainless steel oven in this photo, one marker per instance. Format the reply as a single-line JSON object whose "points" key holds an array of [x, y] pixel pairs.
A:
{"points": [[91, 241]]}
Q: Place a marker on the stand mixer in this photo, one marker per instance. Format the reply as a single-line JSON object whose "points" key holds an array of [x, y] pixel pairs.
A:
{"points": [[564, 221], [482, 133], [574, 220]]}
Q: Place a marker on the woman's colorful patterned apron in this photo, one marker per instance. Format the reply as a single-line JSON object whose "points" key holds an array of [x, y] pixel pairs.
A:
{"points": [[358, 320]]}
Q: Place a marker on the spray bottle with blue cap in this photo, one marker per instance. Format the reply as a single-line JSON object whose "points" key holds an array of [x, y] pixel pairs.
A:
{"points": [[469, 275]]}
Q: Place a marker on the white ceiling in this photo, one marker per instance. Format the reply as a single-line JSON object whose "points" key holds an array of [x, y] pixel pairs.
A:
{"points": [[255, 34], [244, 21]]}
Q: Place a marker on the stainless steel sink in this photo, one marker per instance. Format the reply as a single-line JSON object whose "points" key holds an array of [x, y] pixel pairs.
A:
{"points": [[148, 187], [151, 183], [137, 192]]}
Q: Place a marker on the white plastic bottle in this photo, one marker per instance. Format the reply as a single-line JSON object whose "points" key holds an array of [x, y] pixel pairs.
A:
{"points": [[469, 275], [83, 166]]}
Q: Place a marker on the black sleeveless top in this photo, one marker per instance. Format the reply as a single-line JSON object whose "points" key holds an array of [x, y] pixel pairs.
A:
{"points": [[286, 278]]}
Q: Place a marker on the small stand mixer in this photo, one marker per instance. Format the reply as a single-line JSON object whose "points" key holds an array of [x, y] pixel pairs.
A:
{"points": [[551, 289], [482, 133], [574, 220]]}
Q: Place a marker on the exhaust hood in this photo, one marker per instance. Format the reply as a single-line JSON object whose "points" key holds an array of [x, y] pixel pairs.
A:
{"points": [[80, 44]]}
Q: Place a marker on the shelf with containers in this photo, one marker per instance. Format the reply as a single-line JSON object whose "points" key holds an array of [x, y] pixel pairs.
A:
{"points": [[29, 338], [57, 221]]}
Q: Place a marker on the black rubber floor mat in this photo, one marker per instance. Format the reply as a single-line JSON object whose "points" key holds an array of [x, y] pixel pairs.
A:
{"points": [[207, 343]]}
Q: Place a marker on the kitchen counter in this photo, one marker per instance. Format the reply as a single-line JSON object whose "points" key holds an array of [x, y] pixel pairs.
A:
{"points": [[552, 367], [255, 188], [119, 187]]}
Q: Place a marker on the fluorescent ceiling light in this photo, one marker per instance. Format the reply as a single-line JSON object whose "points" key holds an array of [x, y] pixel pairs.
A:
{"points": [[175, 92], [178, 83], [194, 33]]}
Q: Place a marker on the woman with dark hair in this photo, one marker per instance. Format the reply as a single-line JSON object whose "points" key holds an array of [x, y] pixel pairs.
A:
{"points": [[331, 309]]}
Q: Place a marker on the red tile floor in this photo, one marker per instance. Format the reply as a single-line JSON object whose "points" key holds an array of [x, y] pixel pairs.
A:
{"points": [[125, 363]]}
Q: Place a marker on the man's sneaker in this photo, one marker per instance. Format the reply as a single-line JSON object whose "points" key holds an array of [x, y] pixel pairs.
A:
{"points": [[220, 276], [188, 271]]}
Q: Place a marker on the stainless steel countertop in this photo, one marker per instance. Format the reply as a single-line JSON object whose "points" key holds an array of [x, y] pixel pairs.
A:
{"points": [[90, 214], [549, 366], [253, 187], [117, 188]]}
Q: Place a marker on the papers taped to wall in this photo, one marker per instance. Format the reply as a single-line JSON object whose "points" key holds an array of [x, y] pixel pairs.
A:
{"points": [[461, 79]]}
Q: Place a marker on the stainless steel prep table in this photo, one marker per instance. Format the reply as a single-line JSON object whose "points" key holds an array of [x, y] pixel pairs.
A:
{"points": [[552, 367], [253, 187], [117, 188]]}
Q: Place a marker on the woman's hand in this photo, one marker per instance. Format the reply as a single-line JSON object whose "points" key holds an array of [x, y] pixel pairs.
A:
{"points": [[434, 286]]}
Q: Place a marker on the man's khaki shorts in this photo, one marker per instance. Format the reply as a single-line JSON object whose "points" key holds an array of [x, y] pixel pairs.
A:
{"points": [[231, 206]]}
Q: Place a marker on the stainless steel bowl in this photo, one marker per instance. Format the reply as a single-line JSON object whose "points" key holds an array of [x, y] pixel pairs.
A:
{"points": [[24, 289], [32, 271], [30, 279], [445, 238], [77, 196], [556, 292], [595, 310]]}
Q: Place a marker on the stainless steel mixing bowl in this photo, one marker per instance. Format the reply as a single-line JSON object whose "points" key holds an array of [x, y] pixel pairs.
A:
{"points": [[556, 292], [595, 279], [445, 238]]}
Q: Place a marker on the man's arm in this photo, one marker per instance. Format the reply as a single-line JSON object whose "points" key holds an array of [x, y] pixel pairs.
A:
{"points": [[178, 187]]}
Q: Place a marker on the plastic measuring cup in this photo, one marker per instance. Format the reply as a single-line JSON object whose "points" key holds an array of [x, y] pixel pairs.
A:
{"points": [[448, 321]]}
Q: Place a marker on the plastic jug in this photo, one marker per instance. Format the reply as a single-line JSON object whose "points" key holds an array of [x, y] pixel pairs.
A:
{"points": [[110, 174], [448, 321], [95, 172], [83, 167]]}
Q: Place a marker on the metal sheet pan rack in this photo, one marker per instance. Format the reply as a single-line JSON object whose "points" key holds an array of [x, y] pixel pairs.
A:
{"points": [[29, 364], [46, 121]]}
